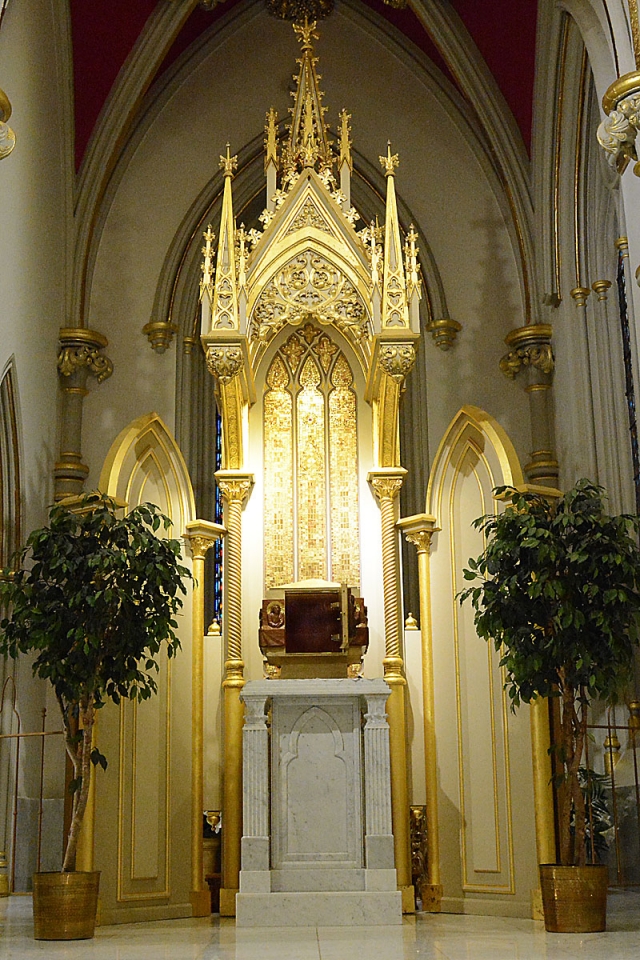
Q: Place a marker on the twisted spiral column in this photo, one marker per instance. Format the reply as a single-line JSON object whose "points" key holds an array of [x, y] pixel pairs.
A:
{"points": [[200, 536], [419, 530], [386, 483], [235, 488]]}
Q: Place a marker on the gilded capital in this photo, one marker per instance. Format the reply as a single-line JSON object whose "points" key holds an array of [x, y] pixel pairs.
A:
{"points": [[419, 530], [397, 360], [224, 361], [81, 348], [386, 484], [201, 536], [531, 348], [234, 487], [618, 131]]}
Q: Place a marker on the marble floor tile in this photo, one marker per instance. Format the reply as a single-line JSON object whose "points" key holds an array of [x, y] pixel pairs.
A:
{"points": [[425, 937]]}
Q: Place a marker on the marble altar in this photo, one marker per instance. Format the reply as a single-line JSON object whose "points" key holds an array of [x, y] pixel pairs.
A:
{"points": [[317, 845]]}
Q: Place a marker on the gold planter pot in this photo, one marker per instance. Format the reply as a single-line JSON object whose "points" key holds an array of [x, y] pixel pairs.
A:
{"points": [[65, 905], [574, 898]]}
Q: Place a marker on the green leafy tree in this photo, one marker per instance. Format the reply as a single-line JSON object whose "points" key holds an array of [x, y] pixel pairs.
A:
{"points": [[93, 598], [559, 597]]}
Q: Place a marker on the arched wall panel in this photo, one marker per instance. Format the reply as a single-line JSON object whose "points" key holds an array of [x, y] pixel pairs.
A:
{"points": [[485, 789]]}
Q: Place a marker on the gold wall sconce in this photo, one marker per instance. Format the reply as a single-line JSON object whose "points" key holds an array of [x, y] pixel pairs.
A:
{"points": [[7, 136]]}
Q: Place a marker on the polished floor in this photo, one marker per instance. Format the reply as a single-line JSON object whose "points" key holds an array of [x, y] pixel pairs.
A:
{"points": [[425, 937]]}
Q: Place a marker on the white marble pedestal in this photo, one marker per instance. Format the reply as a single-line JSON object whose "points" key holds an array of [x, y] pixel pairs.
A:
{"points": [[317, 847]]}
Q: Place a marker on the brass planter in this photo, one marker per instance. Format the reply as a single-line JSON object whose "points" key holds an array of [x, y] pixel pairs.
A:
{"points": [[574, 898], [65, 905]]}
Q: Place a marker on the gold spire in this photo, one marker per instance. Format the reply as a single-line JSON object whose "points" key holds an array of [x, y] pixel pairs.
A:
{"points": [[395, 310], [225, 312], [308, 135]]}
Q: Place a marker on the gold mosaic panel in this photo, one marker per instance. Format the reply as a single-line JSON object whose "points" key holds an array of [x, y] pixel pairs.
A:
{"points": [[278, 476], [311, 486], [343, 476]]}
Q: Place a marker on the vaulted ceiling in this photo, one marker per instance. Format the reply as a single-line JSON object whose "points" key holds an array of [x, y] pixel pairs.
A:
{"points": [[105, 34]]}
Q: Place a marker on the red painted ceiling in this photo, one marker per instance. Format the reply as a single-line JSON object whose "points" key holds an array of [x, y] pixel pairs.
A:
{"points": [[104, 34]]}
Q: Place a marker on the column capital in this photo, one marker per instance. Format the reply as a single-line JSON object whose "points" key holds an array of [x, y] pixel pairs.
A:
{"points": [[419, 530], [201, 535], [530, 347], [235, 486], [80, 348], [386, 482]]}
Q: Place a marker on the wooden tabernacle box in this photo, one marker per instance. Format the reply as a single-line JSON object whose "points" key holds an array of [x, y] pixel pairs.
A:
{"points": [[318, 629]]}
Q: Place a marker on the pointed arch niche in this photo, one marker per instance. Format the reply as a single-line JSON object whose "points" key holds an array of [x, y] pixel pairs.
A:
{"points": [[485, 779], [310, 435], [140, 827]]}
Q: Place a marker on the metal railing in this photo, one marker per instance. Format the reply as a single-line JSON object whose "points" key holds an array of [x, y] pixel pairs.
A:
{"points": [[612, 788], [23, 756]]}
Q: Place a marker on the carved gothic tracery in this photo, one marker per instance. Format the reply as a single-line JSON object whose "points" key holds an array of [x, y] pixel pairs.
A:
{"points": [[309, 286]]}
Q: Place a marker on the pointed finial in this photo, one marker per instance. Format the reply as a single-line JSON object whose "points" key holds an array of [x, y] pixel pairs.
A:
{"points": [[271, 139], [306, 33], [389, 163], [228, 164], [345, 139]]}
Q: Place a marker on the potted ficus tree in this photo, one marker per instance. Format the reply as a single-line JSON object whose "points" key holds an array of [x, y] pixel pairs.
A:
{"points": [[558, 595], [92, 598]]}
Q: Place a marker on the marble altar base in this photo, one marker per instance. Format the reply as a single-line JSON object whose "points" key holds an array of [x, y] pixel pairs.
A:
{"points": [[321, 908], [317, 845]]}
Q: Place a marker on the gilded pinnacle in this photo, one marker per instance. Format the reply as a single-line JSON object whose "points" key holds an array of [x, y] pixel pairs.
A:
{"points": [[389, 163], [228, 164]]}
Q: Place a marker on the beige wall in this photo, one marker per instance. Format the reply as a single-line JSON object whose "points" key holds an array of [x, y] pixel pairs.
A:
{"points": [[35, 192]]}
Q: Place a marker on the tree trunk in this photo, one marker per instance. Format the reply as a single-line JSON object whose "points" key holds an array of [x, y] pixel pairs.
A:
{"points": [[81, 758]]}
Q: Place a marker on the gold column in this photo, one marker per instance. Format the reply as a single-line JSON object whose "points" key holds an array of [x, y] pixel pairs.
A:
{"points": [[530, 351], [235, 488], [79, 356], [386, 484], [200, 535], [418, 530]]}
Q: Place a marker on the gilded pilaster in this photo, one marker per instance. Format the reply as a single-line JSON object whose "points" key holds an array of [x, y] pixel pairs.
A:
{"points": [[386, 484], [200, 535], [530, 353], [80, 356], [235, 488], [419, 530]]}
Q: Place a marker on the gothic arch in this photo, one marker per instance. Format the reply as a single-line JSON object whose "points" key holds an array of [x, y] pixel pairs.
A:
{"points": [[145, 453], [472, 427]]}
